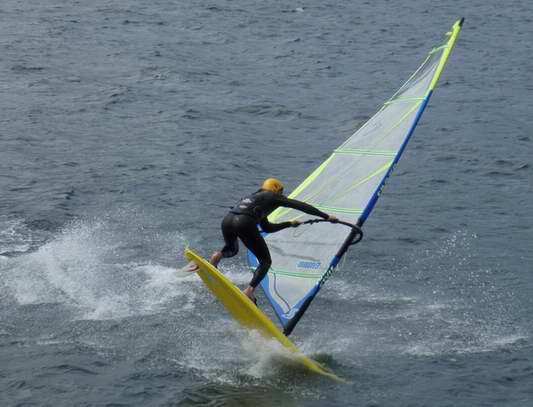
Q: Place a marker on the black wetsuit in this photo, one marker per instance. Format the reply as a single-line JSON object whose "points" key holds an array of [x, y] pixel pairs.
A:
{"points": [[242, 220]]}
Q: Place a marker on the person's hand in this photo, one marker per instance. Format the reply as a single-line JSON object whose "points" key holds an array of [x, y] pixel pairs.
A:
{"points": [[332, 219], [295, 223]]}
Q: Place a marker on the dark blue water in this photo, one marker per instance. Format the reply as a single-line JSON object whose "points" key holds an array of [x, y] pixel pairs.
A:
{"points": [[128, 128]]}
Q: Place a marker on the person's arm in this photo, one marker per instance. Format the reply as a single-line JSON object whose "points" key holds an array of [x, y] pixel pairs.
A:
{"points": [[301, 206], [268, 227]]}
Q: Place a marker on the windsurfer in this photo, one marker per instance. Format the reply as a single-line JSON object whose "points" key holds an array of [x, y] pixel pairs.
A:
{"points": [[242, 220]]}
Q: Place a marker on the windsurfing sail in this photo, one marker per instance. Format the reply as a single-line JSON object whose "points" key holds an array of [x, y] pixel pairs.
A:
{"points": [[347, 185]]}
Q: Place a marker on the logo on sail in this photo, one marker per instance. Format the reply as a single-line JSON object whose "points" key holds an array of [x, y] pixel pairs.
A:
{"points": [[309, 265]]}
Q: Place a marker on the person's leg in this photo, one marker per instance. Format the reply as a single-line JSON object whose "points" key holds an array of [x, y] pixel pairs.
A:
{"points": [[216, 257], [253, 240], [231, 244]]}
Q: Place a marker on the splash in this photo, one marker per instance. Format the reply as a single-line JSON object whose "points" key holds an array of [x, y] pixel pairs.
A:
{"points": [[444, 302], [16, 237], [266, 357], [101, 269], [459, 307]]}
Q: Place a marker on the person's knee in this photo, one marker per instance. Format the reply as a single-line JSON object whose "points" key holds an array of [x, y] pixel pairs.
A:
{"points": [[229, 253]]}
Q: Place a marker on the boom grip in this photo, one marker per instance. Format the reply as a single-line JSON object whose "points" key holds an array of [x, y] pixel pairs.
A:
{"points": [[356, 230]]}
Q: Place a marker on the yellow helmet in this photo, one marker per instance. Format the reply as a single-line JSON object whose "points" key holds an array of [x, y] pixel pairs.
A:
{"points": [[274, 185]]}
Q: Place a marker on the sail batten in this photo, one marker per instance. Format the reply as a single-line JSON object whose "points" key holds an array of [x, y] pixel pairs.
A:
{"points": [[347, 184]]}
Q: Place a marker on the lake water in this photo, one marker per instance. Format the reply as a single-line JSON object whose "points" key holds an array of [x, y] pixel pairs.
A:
{"points": [[127, 130]]}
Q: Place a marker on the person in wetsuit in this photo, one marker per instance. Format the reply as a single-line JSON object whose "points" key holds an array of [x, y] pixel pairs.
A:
{"points": [[242, 220]]}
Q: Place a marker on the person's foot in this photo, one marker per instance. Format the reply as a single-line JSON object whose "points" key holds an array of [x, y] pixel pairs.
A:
{"points": [[249, 292], [215, 258], [191, 267], [252, 298]]}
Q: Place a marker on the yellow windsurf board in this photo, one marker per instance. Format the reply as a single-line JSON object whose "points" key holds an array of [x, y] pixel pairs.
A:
{"points": [[243, 310]]}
